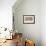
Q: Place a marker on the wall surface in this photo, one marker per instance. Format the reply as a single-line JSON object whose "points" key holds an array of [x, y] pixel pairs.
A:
{"points": [[30, 31], [43, 22], [6, 13]]}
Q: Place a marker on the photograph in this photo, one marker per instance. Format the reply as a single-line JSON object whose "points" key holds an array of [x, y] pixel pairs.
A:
{"points": [[28, 19]]}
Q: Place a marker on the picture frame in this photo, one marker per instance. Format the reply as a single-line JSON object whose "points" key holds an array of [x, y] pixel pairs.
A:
{"points": [[28, 19]]}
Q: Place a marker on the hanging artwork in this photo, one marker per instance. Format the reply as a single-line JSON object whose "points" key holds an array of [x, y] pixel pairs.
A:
{"points": [[28, 19]]}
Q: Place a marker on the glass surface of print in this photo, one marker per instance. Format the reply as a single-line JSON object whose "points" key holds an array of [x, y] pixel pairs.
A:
{"points": [[29, 19]]}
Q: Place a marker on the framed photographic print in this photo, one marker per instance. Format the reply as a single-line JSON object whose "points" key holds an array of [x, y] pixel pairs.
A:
{"points": [[28, 19]]}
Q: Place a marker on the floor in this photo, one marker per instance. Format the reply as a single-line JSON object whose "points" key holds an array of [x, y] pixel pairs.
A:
{"points": [[9, 43], [16, 41]]}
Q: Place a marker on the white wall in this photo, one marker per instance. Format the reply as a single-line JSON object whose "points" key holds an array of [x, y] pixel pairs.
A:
{"points": [[43, 22], [6, 13], [40, 14], [29, 7]]}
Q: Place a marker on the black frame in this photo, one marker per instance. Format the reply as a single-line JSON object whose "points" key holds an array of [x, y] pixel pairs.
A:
{"points": [[29, 15]]}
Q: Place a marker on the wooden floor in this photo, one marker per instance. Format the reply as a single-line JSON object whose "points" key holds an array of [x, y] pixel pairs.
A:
{"points": [[13, 42], [9, 43]]}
